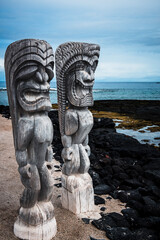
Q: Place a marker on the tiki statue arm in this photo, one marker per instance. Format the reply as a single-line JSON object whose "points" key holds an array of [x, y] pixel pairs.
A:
{"points": [[71, 127], [28, 170], [87, 147], [25, 134]]}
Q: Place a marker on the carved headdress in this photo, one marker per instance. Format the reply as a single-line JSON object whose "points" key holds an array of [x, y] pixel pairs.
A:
{"points": [[22, 54], [66, 56]]}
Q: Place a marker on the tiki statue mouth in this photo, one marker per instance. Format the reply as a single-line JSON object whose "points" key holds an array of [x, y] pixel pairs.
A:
{"points": [[33, 96], [80, 84], [33, 88], [82, 89]]}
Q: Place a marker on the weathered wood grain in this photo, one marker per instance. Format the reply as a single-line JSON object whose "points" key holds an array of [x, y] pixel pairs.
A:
{"points": [[29, 69], [75, 67]]}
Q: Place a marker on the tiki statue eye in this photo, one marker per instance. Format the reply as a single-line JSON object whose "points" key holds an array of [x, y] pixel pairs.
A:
{"points": [[94, 65], [49, 70]]}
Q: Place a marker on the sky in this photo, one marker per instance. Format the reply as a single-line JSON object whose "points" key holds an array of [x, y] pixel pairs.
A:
{"points": [[128, 32]]}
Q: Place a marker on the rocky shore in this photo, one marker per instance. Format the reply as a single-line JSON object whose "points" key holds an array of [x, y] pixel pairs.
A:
{"points": [[141, 109], [127, 170], [124, 169]]}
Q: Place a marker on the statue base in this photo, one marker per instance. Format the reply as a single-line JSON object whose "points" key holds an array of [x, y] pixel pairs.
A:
{"points": [[36, 223], [77, 193]]}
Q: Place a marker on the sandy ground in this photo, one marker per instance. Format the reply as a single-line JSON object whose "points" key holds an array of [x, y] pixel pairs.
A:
{"points": [[70, 227]]}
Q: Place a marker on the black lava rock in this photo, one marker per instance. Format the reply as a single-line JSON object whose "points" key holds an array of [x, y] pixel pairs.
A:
{"points": [[4, 110], [119, 233], [109, 198], [102, 209], [151, 207], [134, 183], [119, 219], [95, 177], [102, 189], [155, 191], [106, 123], [123, 196], [145, 234], [86, 220], [104, 222], [153, 175], [149, 222], [131, 215], [98, 200], [136, 205], [99, 224], [91, 238]]}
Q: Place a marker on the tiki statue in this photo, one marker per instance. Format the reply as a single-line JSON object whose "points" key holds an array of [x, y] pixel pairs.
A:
{"points": [[75, 66], [29, 69]]}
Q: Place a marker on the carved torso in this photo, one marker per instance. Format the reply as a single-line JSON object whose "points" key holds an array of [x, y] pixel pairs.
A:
{"points": [[37, 136], [43, 129], [78, 124]]}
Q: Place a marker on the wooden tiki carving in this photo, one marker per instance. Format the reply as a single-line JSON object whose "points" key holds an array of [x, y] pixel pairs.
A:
{"points": [[29, 69], [75, 67]]}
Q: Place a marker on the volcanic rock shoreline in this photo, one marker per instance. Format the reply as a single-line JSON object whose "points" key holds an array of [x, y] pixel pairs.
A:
{"points": [[124, 169], [141, 109]]}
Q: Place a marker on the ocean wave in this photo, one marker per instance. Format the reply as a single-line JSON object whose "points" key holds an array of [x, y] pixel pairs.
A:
{"points": [[97, 90], [105, 90], [53, 89], [3, 89]]}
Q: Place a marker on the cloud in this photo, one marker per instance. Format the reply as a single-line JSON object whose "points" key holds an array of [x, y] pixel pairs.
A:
{"points": [[1, 64], [55, 3], [125, 70], [109, 4], [127, 30]]}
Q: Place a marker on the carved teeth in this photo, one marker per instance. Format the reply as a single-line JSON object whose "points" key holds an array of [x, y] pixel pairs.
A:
{"points": [[83, 84], [35, 96], [34, 90]]}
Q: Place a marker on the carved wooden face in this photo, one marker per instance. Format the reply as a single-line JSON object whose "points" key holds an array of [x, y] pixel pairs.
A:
{"points": [[80, 83], [33, 83]]}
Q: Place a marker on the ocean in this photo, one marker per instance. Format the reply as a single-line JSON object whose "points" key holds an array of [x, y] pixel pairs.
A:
{"points": [[106, 91]]}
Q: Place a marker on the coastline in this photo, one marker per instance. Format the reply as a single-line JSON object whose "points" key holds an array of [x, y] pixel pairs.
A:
{"points": [[142, 109], [137, 118], [125, 177], [69, 226]]}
